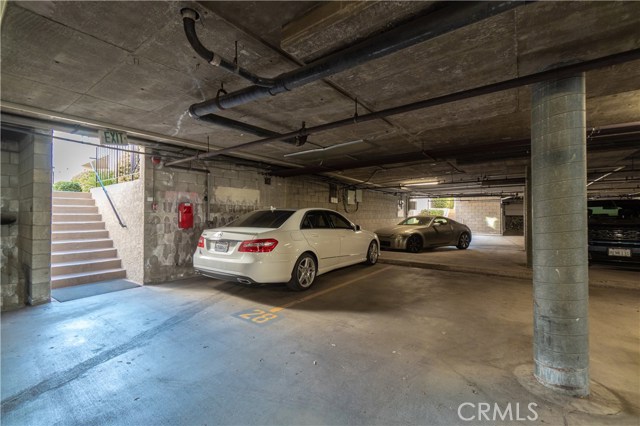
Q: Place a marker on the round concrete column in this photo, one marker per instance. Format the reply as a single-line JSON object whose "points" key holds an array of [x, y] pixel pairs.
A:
{"points": [[560, 258]]}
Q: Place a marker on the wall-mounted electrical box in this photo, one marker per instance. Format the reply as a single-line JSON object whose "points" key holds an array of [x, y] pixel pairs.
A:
{"points": [[185, 215], [358, 195], [351, 196], [333, 193]]}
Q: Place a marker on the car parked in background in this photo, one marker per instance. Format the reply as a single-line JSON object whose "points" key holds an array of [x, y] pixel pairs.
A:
{"points": [[614, 230], [281, 245], [418, 232]]}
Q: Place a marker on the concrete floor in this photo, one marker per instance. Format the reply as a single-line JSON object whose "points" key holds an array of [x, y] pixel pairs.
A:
{"points": [[504, 256], [367, 345]]}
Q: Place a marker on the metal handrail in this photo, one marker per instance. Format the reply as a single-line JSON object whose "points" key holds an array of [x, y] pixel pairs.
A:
{"points": [[107, 194]]}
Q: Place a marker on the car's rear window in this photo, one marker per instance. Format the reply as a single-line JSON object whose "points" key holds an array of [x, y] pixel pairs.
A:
{"points": [[262, 219]]}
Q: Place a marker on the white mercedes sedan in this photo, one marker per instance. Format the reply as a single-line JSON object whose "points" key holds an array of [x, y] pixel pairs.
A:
{"points": [[280, 245]]}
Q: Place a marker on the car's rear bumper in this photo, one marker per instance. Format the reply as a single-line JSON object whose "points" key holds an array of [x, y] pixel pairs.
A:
{"points": [[250, 268], [600, 253], [225, 277]]}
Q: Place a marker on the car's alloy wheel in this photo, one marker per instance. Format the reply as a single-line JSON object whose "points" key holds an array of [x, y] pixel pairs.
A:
{"points": [[414, 244], [464, 241], [372, 253], [304, 272]]}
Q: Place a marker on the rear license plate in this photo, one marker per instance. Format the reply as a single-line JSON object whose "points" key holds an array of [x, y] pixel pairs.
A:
{"points": [[222, 246], [620, 252]]}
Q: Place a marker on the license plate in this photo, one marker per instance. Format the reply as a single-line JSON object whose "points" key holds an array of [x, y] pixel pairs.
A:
{"points": [[620, 252], [222, 246]]}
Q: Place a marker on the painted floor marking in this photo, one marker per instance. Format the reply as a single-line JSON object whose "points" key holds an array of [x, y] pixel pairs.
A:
{"points": [[320, 293]]}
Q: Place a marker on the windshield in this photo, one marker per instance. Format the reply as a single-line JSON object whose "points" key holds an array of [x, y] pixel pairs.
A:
{"points": [[417, 221], [601, 211], [262, 219]]}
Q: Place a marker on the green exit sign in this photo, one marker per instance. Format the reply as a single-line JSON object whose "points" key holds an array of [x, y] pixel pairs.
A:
{"points": [[111, 137]]}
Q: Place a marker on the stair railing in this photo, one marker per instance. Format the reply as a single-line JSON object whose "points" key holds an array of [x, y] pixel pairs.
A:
{"points": [[107, 194]]}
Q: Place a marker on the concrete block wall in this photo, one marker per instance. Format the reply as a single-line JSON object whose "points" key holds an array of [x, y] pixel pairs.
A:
{"points": [[128, 198], [35, 217], [168, 250], [26, 190], [233, 190], [12, 278], [483, 215]]}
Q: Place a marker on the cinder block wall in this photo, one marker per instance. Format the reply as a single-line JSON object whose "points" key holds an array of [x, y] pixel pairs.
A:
{"points": [[233, 191], [483, 215], [128, 198], [26, 264], [12, 287]]}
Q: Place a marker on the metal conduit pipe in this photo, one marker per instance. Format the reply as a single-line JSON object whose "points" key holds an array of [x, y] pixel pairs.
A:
{"points": [[562, 71], [424, 28], [189, 18], [244, 127]]}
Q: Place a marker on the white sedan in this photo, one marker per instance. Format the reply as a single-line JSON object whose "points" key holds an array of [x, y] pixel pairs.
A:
{"points": [[279, 245]]}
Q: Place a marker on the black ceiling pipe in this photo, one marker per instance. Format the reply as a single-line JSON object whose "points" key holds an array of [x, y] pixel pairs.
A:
{"points": [[560, 72], [450, 18], [189, 18], [244, 127]]}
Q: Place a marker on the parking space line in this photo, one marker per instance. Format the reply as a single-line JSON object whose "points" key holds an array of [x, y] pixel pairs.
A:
{"points": [[320, 293]]}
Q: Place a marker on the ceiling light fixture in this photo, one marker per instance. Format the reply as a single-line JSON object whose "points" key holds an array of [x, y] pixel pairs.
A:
{"points": [[325, 149], [605, 175]]}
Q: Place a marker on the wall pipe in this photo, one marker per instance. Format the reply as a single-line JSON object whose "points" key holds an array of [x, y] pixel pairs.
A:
{"points": [[419, 30], [560, 72]]}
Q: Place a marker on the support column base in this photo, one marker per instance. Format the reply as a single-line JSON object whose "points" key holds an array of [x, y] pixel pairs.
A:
{"points": [[600, 401]]}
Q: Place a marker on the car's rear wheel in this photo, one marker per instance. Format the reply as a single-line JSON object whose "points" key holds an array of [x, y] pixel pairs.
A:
{"points": [[372, 253], [463, 241], [304, 273], [414, 244]]}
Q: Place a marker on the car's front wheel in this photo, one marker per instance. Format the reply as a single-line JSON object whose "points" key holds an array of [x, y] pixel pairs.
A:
{"points": [[463, 241], [414, 244], [304, 273], [372, 253]]}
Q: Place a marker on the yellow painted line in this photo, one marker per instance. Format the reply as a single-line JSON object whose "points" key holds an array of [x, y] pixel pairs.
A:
{"points": [[320, 293]]}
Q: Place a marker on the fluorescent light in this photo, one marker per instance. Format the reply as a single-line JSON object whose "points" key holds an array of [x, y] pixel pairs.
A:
{"points": [[422, 183], [605, 175], [328, 148]]}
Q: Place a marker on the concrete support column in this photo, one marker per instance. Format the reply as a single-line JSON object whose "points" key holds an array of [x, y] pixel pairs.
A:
{"points": [[528, 216], [560, 263]]}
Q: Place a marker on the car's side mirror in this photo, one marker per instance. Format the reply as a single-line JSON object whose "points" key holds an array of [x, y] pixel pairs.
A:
{"points": [[356, 228]]}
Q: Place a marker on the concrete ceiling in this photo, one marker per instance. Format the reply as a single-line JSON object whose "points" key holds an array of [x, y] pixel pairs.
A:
{"points": [[128, 64]]}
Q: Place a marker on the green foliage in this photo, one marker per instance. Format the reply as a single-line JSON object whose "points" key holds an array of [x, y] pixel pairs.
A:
{"points": [[87, 179], [67, 186], [442, 203], [432, 212]]}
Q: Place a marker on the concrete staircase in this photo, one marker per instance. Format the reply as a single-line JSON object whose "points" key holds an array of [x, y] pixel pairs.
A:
{"points": [[81, 250]]}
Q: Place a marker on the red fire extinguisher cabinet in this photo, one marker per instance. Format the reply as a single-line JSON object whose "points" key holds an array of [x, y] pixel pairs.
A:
{"points": [[185, 215]]}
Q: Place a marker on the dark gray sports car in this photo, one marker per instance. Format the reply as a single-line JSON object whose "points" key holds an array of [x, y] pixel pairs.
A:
{"points": [[418, 232]]}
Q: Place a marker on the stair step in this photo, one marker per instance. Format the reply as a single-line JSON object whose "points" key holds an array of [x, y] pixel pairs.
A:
{"points": [[78, 255], [76, 226], [79, 266], [76, 217], [91, 234], [69, 245], [73, 209], [66, 194], [63, 201], [87, 277]]}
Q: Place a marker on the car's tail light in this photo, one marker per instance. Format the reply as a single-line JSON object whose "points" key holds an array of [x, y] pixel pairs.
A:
{"points": [[258, 246], [201, 242]]}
